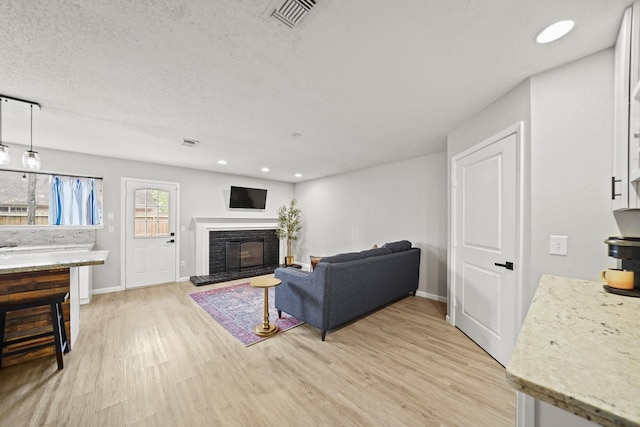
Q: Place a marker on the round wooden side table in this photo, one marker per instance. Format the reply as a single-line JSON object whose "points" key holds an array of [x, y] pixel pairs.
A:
{"points": [[265, 329]]}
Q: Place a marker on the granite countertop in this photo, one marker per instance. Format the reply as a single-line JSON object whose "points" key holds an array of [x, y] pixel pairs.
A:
{"points": [[46, 248], [579, 349], [41, 260]]}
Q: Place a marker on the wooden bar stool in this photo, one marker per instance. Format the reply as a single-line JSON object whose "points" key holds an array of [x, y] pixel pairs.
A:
{"points": [[59, 333]]}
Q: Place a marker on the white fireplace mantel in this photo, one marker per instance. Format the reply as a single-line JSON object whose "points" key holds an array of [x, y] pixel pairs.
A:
{"points": [[206, 224]]}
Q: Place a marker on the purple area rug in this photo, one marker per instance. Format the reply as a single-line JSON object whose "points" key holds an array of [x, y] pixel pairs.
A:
{"points": [[239, 308]]}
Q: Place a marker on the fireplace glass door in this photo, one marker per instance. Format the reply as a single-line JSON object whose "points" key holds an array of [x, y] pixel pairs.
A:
{"points": [[244, 254]]}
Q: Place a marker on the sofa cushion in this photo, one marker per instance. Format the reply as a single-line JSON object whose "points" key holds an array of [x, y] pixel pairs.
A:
{"points": [[347, 256], [399, 246], [375, 252]]}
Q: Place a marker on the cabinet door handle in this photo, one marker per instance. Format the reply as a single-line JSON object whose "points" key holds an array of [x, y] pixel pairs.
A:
{"points": [[613, 188]]}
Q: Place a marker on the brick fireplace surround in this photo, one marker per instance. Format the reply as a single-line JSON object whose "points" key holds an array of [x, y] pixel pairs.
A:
{"points": [[214, 240]]}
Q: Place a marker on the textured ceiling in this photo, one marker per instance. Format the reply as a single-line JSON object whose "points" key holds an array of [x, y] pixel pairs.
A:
{"points": [[364, 82]]}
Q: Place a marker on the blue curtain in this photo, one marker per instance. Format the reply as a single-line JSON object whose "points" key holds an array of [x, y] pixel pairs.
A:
{"points": [[55, 202], [74, 201]]}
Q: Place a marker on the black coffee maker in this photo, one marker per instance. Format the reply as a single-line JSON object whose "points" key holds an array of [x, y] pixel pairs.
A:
{"points": [[627, 249]]}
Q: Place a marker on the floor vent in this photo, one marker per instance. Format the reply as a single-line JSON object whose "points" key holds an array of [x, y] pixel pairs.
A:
{"points": [[191, 143], [292, 11]]}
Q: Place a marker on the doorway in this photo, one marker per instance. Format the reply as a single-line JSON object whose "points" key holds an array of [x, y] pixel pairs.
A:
{"points": [[150, 216], [486, 239]]}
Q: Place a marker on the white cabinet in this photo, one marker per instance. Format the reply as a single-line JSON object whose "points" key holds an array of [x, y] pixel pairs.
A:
{"points": [[85, 283], [625, 180]]}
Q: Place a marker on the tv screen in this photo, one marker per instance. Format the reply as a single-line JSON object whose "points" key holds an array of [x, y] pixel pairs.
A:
{"points": [[247, 198]]}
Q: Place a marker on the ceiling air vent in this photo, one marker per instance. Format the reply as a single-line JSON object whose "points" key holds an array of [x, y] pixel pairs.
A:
{"points": [[292, 11], [191, 143]]}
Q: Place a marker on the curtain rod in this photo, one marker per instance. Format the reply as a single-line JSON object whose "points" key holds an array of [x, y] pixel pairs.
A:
{"points": [[48, 173]]}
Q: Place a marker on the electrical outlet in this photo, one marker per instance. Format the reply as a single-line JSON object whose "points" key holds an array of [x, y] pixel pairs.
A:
{"points": [[111, 229], [558, 245], [183, 263]]}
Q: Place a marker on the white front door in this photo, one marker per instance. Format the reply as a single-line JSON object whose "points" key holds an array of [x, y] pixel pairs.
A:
{"points": [[484, 239], [150, 216]]}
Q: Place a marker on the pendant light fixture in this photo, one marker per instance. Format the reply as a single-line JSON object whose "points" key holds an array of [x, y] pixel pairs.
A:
{"points": [[5, 156], [30, 158]]}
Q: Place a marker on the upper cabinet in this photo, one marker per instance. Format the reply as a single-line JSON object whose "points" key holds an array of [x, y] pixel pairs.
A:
{"points": [[625, 181]]}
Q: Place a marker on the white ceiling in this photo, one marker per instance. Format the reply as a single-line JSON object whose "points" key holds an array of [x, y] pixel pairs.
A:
{"points": [[364, 82]]}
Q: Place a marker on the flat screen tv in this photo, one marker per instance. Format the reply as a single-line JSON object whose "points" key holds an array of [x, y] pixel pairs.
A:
{"points": [[247, 198]]}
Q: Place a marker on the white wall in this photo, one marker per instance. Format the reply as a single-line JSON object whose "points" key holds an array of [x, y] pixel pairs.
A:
{"points": [[571, 167], [203, 194], [571, 158], [355, 210]]}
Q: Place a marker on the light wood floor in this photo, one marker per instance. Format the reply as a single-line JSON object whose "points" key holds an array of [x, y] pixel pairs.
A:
{"points": [[153, 357]]}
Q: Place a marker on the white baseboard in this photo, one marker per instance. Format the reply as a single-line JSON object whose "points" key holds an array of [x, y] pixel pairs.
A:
{"points": [[97, 291], [118, 288], [431, 296]]}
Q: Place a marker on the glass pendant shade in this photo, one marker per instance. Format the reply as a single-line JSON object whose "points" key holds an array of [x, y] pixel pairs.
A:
{"points": [[5, 155], [31, 159]]}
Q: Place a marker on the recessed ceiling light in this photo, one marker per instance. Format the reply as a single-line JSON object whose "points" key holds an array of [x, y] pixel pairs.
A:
{"points": [[554, 31], [222, 162], [265, 169], [298, 175]]}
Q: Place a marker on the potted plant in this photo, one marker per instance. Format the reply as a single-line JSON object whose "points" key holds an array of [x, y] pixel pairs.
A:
{"points": [[288, 227]]}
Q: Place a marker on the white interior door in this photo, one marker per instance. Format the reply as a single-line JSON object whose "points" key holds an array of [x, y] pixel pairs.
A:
{"points": [[150, 216], [484, 237]]}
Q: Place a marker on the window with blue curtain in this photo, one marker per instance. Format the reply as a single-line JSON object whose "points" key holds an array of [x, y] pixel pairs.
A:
{"points": [[75, 201]]}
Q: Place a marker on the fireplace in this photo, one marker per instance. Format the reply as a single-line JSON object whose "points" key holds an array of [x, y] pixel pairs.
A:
{"points": [[211, 237], [242, 250]]}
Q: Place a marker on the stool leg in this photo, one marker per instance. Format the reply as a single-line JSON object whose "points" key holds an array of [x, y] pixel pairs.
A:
{"points": [[63, 331], [3, 322], [55, 319]]}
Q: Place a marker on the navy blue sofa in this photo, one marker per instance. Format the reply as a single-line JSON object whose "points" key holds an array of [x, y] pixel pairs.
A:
{"points": [[346, 286]]}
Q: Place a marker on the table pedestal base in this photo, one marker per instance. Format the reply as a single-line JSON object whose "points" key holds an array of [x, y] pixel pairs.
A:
{"points": [[271, 329]]}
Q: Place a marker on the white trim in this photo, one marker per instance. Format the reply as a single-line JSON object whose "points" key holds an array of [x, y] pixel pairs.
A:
{"points": [[525, 410], [428, 295], [97, 291], [123, 225], [51, 227], [518, 130]]}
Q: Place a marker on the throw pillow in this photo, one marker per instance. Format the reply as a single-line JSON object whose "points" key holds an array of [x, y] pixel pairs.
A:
{"points": [[399, 246], [314, 261]]}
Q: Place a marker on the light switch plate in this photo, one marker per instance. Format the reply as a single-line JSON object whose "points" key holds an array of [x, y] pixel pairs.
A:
{"points": [[558, 245], [110, 215]]}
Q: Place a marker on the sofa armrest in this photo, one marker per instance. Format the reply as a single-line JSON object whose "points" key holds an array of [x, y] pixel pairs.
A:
{"points": [[302, 294], [311, 283]]}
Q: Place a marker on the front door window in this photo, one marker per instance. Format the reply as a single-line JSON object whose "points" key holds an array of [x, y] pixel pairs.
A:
{"points": [[151, 213]]}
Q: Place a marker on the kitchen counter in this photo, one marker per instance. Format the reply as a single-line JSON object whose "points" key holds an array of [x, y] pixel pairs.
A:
{"points": [[17, 262], [27, 272], [579, 349]]}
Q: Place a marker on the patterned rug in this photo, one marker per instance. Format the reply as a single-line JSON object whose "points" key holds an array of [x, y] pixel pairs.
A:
{"points": [[239, 308]]}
